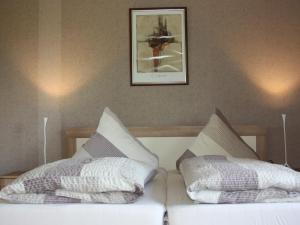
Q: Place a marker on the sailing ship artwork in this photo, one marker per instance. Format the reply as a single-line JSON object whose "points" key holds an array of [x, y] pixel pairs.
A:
{"points": [[158, 46]]}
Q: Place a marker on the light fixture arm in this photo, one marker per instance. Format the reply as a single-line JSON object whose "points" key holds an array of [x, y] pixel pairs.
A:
{"points": [[45, 140], [284, 137]]}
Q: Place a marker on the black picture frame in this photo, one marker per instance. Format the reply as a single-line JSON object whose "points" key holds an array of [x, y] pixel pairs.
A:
{"points": [[155, 74]]}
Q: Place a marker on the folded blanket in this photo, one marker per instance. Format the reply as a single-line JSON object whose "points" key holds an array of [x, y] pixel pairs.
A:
{"points": [[221, 179], [104, 180]]}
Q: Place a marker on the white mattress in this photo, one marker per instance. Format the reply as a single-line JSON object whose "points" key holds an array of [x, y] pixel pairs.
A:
{"points": [[148, 210], [181, 210]]}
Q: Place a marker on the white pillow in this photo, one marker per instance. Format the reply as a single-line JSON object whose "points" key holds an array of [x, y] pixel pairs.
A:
{"points": [[114, 140], [219, 138]]}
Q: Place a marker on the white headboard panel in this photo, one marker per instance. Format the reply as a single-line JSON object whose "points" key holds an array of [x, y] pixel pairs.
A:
{"points": [[169, 142], [169, 149]]}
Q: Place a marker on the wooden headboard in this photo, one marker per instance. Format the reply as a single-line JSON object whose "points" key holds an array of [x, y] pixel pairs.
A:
{"points": [[260, 133]]}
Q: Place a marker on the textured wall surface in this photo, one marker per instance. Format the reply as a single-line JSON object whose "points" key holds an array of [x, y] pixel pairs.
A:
{"points": [[243, 58], [18, 95], [235, 48]]}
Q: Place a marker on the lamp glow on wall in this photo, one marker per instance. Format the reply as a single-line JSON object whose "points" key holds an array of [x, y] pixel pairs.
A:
{"points": [[277, 85], [55, 84], [269, 60]]}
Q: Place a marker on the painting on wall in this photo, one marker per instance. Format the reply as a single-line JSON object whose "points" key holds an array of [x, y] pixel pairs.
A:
{"points": [[158, 46]]}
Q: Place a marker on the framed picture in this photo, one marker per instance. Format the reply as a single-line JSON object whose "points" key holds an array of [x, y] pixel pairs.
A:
{"points": [[158, 46]]}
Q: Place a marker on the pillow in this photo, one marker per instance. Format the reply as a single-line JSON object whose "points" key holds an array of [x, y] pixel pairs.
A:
{"points": [[113, 139], [186, 155], [219, 138], [107, 148]]}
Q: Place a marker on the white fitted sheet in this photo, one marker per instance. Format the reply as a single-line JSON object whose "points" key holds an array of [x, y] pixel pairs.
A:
{"points": [[148, 210], [182, 211]]}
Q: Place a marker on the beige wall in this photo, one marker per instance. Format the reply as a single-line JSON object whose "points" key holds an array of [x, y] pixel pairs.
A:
{"points": [[243, 58], [240, 52], [18, 95]]}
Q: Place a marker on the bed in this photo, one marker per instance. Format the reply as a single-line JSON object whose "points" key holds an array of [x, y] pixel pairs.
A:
{"points": [[169, 143], [182, 210], [148, 210], [164, 192]]}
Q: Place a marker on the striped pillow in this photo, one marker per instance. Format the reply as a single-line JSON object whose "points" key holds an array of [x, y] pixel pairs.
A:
{"points": [[113, 139], [219, 138]]}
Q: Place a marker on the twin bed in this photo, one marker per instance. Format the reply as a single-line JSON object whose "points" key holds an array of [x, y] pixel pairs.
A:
{"points": [[165, 193], [182, 211], [148, 210]]}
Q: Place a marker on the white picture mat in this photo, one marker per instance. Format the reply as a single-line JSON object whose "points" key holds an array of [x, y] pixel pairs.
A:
{"points": [[169, 149]]}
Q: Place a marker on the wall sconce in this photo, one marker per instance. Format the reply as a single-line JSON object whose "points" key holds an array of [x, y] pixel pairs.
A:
{"points": [[45, 140], [284, 138]]}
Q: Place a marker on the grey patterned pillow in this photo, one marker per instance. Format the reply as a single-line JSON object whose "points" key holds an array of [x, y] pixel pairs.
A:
{"points": [[112, 139], [98, 147], [219, 138], [186, 155]]}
